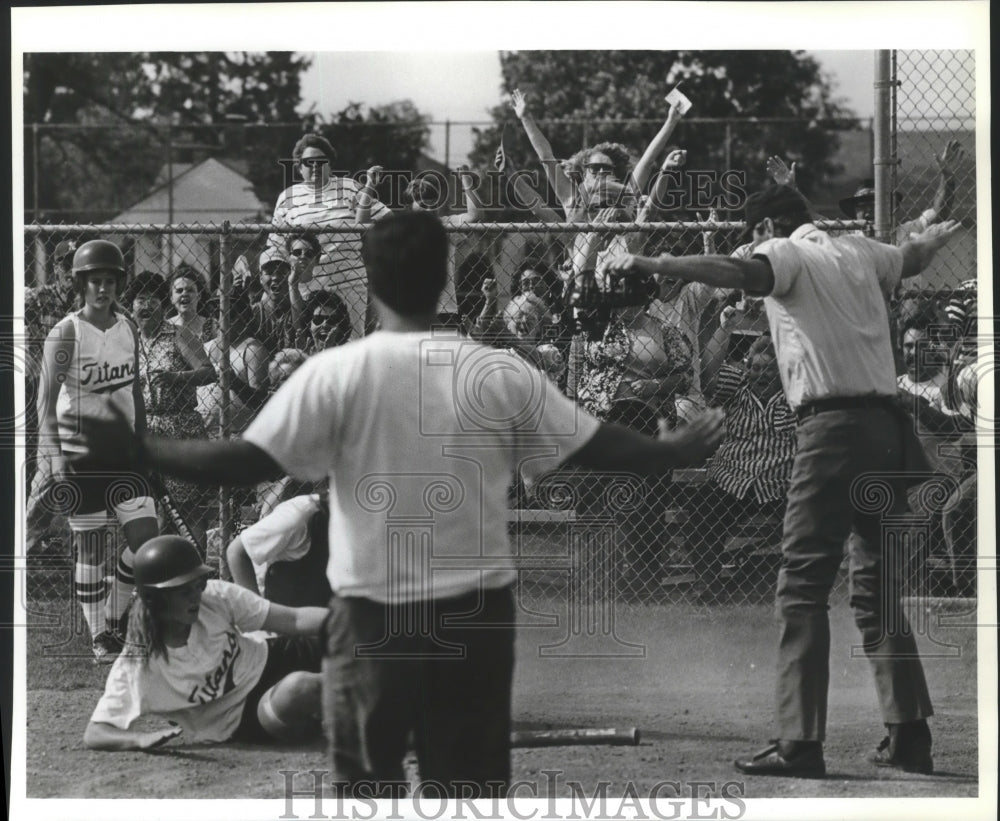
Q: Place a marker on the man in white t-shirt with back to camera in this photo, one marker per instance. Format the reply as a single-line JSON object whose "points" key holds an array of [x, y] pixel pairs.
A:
{"points": [[420, 436]]}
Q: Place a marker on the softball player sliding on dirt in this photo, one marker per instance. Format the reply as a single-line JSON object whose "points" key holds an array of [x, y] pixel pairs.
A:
{"points": [[189, 659]]}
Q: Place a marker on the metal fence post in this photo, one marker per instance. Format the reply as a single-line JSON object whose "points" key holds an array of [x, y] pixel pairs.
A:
{"points": [[34, 170], [225, 382], [447, 143], [883, 160]]}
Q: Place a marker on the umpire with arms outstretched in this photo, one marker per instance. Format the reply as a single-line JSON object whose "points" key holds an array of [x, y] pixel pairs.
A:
{"points": [[420, 436], [825, 307]]}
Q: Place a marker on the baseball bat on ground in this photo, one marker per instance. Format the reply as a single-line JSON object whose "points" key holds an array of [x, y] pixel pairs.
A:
{"points": [[574, 737]]}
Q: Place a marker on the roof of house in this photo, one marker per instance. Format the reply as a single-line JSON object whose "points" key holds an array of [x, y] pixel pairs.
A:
{"points": [[208, 192]]}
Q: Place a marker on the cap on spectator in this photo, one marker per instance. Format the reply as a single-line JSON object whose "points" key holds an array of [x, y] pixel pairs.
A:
{"points": [[64, 249], [774, 201], [272, 255], [866, 191]]}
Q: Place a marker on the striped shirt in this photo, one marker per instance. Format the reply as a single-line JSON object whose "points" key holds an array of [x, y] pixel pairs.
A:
{"points": [[333, 206], [756, 455]]}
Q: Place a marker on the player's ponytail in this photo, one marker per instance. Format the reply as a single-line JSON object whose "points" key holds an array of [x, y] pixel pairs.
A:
{"points": [[144, 638]]}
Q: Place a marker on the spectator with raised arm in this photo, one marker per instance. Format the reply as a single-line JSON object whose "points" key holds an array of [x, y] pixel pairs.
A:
{"points": [[275, 319], [248, 362], [825, 300], [520, 328], [861, 205], [603, 161], [323, 200], [423, 193], [527, 196]]}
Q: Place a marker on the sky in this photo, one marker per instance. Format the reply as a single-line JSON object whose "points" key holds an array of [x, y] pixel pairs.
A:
{"points": [[461, 86]]}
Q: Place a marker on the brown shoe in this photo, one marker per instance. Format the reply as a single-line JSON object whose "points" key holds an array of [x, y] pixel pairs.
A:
{"points": [[804, 763], [914, 757]]}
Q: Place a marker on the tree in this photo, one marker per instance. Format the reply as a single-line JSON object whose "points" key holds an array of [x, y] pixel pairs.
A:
{"points": [[392, 135], [109, 123], [625, 86], [131, 109]]}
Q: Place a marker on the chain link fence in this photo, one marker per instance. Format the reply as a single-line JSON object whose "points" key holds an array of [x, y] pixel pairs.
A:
{"points": [[259, 301], [254, 301], [934, 147]]}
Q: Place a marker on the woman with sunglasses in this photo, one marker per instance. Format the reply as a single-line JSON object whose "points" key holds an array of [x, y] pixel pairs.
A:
{"points": [[322, 201], [329, 323], [194, 659], [574, 179]]}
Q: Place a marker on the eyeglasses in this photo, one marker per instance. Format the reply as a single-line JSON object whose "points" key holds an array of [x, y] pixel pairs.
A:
{"points": [[599, 168], [323, 319], [312, 162], [301, 252]]}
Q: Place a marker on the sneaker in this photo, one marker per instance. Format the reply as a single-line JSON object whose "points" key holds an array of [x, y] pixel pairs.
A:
{"points": [[913, 758], [107, 647]]}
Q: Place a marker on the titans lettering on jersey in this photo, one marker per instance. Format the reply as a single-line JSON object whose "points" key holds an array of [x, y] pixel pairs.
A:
{"points": [[219, 681], [101, 373], [103, 377]]}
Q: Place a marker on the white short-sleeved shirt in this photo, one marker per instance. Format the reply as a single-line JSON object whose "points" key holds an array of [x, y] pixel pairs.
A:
{"points": [[281, 536], [202, 686], [420, 436], [827, 314]]}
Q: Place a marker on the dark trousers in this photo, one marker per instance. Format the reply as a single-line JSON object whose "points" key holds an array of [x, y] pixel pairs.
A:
{"points": [[439, 671], [847, 474]]}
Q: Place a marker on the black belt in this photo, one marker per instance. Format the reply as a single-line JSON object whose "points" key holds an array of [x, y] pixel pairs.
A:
{"points": [[834, 403]]}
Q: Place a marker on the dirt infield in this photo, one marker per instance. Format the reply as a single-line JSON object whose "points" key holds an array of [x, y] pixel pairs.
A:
{"points": [[700, 692]]}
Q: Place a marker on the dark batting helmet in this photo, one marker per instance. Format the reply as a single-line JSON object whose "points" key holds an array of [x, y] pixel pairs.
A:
{"points": [[98, 255], [168, 561]]}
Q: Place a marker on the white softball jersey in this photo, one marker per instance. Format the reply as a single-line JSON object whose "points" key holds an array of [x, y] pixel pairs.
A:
{"points": [[102, 372], [203, 685]]}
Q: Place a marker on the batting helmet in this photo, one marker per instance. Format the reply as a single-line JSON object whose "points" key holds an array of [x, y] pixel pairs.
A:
{"points": [[98, 255], [167, 561]]}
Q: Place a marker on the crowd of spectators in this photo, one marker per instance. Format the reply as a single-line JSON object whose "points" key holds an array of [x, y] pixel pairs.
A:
{"points": [[650, 353]]}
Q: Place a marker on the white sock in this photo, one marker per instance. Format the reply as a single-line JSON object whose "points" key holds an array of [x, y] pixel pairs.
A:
{"points": [[90, 592], [120, 592]]}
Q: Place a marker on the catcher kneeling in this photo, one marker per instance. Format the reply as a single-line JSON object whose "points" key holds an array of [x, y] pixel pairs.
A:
{"points": [[191, 658]]}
